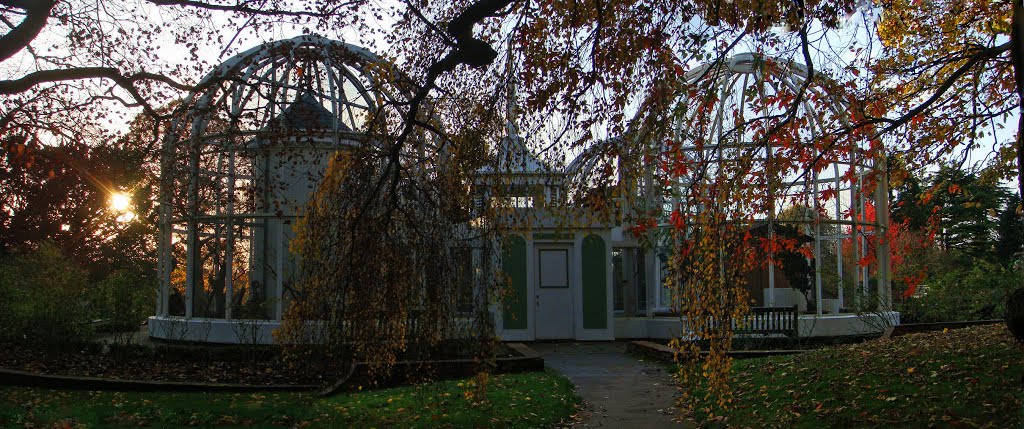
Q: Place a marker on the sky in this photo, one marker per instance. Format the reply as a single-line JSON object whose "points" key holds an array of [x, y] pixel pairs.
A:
{"points": [[832, 48]]}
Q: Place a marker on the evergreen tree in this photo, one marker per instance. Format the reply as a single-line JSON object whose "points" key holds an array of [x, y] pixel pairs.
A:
{"points": [[1009, 231], [968, 210]]}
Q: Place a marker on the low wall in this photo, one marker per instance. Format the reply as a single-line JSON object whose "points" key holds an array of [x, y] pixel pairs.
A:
{"points": [[847, 324], [627, 328], [666, 354], [206, 330]]}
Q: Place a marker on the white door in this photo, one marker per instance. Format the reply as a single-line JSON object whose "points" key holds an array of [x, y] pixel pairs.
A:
{"points": [[554, 313]]}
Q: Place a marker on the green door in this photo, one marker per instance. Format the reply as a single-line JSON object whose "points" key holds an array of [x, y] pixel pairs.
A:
{"points": [[595, 283]]}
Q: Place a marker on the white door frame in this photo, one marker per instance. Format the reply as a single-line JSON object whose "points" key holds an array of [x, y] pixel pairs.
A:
{"points": [[570, 291]]}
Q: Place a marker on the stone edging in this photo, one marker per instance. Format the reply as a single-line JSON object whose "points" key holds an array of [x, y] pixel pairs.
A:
{"points": [[528, 360], [914, 328], [663, 353], [10, 377]]}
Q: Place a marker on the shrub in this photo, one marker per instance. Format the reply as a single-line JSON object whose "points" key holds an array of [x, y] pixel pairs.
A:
{"points": [[124, 300], [45, 299], [974, 292]]}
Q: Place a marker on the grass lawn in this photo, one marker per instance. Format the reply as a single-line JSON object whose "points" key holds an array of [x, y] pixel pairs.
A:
{"points": [[967, 377], [528, 400]]}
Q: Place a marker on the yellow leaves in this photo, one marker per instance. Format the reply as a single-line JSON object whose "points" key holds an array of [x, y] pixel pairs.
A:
{"points": [[927, 43], [892, 27], [999, 26]]}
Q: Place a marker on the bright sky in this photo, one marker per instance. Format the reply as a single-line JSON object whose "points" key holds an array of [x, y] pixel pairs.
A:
{"points": [[833, 48]]}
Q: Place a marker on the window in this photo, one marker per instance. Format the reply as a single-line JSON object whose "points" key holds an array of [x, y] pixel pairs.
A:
{"points": [[664, 296], [617, 281], [629, 277], [554, 268]]}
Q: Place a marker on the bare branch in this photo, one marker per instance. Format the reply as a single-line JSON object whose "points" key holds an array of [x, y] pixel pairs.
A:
{"points": [[241, 8], [30, 80], [36, 14], [973, 61]]}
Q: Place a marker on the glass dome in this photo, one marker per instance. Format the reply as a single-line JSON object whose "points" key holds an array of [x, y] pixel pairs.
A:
{"points": [[239, 166], [767, 131]]}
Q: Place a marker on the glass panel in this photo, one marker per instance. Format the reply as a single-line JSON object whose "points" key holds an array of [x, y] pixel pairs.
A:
{"points": [[176, 292], [640, 280], [210, 271], [664, 294], [617, 280], [554, 269], [248, 292]]}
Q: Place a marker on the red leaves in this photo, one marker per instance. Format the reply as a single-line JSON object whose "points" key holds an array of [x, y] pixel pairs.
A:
{"points": [[674, 162], [677, 220], [912, 281], [640, 228]]}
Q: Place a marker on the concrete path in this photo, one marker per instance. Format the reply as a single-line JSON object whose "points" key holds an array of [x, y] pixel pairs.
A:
{"points": [[620, 391]]}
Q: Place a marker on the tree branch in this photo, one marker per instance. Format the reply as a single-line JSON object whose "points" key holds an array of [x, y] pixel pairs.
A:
{"points": [[36, 14], [30, 80], [972, 61], [246, 9]]}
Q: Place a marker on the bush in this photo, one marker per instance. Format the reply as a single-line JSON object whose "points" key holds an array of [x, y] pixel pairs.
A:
{"points": [[974, 292], [124, 299], [45, 299]]}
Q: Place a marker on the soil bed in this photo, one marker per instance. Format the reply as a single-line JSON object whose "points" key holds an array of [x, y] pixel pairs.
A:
{"points": [[260, 365], [87, 361], [788, 343]]}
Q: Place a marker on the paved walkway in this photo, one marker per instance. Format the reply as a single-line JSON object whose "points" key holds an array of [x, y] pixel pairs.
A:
{"points": [[620, 391]]}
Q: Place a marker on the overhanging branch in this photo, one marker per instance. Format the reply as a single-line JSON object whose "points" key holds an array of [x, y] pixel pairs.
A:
{"points": [[36, 14], [242, 8], [30, 80]]}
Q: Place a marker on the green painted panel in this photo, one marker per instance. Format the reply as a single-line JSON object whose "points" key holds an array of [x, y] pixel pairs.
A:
{"points": [[513, 264], [595, 283], [552, 236]]}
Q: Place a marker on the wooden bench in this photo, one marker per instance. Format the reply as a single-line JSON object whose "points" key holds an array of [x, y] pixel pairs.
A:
{"points": [[768, 321]]}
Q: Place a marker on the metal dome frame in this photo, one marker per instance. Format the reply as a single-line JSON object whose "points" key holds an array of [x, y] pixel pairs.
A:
{"points": [[844, 177], [238, 166]]}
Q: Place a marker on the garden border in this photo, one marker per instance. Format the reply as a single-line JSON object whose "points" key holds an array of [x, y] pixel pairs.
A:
{"points": [[916, 328], [528, 360], [663, 353]]}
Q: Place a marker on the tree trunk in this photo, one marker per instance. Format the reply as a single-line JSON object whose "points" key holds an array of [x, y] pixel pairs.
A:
{"points": [[1017, 56]]}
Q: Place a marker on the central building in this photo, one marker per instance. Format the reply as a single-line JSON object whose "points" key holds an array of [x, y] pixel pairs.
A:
{"points": [[239, 168]]}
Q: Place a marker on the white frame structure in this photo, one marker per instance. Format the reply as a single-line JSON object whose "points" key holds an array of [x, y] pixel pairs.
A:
{"points": [[842, 175], [226, 209]]}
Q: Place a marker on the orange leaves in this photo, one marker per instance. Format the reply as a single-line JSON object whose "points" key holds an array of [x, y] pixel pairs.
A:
{"points": [[913, 281], [673, 161], [934, 67], [707, 270]]}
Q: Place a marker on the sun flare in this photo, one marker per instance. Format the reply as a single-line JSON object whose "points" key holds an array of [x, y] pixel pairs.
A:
{"points": [[120, 202]]}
